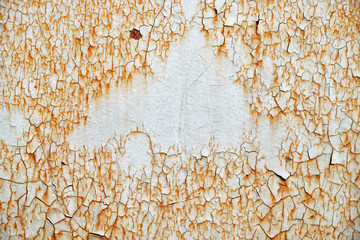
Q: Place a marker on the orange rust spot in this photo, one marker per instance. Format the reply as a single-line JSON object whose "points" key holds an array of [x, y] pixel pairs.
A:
{"points": [[135, 34]]}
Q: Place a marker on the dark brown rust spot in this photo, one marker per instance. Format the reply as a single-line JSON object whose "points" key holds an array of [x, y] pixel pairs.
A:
{"points": [[135, 34]]}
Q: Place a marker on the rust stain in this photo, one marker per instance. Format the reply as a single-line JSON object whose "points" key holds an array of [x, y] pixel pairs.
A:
{"points": [[134, 33], [58, 60]]}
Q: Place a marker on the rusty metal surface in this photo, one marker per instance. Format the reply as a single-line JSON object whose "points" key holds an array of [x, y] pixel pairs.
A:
{"points": [[298, 65]]}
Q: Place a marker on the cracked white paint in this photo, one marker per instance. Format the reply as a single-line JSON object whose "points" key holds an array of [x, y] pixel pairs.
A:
{"points": [[179, 119]]}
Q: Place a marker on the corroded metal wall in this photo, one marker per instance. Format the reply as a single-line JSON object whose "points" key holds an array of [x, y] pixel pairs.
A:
{"points": [[180, 119]]}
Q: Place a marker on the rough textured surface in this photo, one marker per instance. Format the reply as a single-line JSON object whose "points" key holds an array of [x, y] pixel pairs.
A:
{"points": [[180, 119]]}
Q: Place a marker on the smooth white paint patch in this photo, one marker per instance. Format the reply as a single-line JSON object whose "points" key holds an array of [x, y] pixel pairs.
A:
{"points": [[138, 152], [266, 72], [12, 126], [271, 136], [190, 8]]}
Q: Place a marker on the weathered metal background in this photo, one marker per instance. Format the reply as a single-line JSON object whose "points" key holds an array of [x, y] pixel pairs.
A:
{"points": [[292, 172]]}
